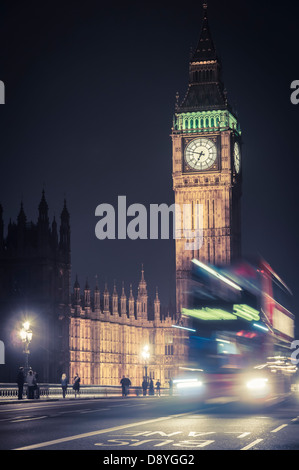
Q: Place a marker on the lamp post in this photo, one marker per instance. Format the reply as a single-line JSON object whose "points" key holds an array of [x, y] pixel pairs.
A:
{"points": [[26, 337], [145, 354]]}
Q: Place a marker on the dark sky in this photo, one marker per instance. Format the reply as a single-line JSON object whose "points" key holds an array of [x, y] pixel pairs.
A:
{"points": [[90, 94]]}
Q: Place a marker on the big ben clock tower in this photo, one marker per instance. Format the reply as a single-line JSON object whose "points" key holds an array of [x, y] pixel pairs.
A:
{"points": [[206, 166]]}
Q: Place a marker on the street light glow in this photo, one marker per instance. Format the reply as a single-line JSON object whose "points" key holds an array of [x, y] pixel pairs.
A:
{"points": [[26, 337], [145, 352], [26, 325]]}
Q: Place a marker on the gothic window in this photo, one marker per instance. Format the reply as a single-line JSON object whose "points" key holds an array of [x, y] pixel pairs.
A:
{"points": [[168, 344], [168, 349]]}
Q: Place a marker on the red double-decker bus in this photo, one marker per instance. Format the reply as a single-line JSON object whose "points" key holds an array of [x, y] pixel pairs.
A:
{"points": [[240, 333]]}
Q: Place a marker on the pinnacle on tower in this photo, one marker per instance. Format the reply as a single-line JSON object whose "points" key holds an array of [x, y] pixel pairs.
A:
{"points": [[131, 292], [76, 285], [142, 290], [123, 294], [43, 210], [87, 294], [65, 230], [21, 216], [205, 49], [77, 296], [206, 91]]}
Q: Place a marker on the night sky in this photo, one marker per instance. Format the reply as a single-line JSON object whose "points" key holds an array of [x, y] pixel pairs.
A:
{"points": [[90, 96]]}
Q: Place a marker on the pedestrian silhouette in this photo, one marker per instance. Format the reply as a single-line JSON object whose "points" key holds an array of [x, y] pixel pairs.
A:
{"points": [[151, 390], [144, 386], [20, 382], [76, 384], [30, 379], [125, 384], [158, 387], [35, 387], [64, 384]]}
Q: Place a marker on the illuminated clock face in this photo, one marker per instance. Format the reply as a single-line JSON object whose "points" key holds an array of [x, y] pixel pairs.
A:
{"points": [[237, 157], [201, 154]]}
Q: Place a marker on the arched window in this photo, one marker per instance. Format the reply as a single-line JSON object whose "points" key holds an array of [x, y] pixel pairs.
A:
{"points": [[186, 123], [207, 122], [191, 124], [196, 123], [201, 123], [212, 122]]}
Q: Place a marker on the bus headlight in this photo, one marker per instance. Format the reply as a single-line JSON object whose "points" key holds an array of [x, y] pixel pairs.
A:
{"points": [[257, 384], [188, 385]]}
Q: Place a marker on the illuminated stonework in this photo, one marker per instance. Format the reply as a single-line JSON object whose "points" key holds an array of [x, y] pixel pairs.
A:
{"points": [[215, 183], [107, 335], [206, 121]]}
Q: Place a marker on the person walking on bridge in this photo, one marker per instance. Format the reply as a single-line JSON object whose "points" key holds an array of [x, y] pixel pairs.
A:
{"points": [[64, 384], [125, 384], [20, 382], [76, 384]]}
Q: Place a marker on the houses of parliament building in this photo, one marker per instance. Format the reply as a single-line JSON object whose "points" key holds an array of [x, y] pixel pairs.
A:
{"points": [[99, 335]]}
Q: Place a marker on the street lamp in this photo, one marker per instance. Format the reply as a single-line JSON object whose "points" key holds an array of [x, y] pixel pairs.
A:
{"points": [[26, 337], [145, 354]]}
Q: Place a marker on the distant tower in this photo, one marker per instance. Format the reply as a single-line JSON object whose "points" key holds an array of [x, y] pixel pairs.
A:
{"points": [[35, 272], [206, 164], [123, 302], [142, 299]]}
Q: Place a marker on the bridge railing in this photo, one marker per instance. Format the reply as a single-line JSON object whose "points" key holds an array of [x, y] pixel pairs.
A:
{"points": [[10, 391]]}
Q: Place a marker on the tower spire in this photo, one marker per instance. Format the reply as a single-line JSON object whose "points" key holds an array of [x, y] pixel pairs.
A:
{"points": [[206, 90], [205, 49], [21, 216], [65, 231], [43, 210]]}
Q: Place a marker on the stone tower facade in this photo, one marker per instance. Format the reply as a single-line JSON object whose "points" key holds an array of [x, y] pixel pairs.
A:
{"points": [[35, 271], [206, 139]]}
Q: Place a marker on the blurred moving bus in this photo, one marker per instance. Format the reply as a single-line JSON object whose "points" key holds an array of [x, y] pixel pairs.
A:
{"points": [[240, 333]]}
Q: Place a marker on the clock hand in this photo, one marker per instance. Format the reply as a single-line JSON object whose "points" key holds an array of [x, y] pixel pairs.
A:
{"points": [[200, 155]]}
